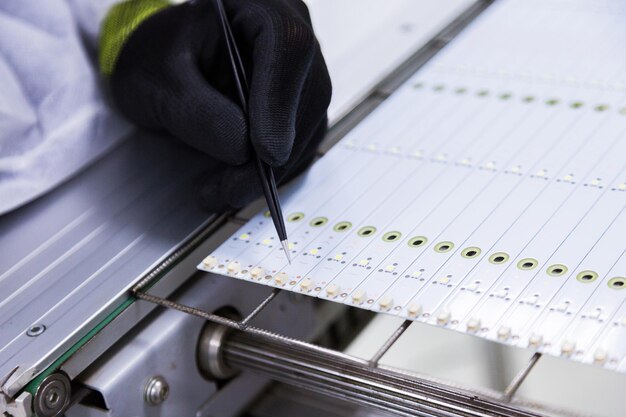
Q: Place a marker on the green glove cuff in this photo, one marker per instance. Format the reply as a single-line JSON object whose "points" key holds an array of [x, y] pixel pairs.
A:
{"points": [[119, 24]]}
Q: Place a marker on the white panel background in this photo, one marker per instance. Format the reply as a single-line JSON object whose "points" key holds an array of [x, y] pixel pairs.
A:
{"points": [[364, 40]]}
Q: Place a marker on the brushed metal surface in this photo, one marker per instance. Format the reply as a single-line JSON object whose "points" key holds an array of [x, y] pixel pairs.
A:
{"points": [[68, 259]]}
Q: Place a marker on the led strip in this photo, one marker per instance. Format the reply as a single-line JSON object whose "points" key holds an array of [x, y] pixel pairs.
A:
{"points": [[487, 200]]}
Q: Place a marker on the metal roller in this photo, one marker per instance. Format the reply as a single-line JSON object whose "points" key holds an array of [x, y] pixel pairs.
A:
{"points": [[342, 376]]}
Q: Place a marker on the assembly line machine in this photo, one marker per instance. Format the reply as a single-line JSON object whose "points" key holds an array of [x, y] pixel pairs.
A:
{"points": [[103, 313]]}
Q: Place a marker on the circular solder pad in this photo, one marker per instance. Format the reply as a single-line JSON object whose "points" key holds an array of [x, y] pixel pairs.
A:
{"points": [[342, 226], [295, 217], [392, 236], [499, 258], [443, 247], [587, 276], [527, 264], [470, 252], [367, 231], [417, 241], [617, 283], [556, 270], [318, 221]]}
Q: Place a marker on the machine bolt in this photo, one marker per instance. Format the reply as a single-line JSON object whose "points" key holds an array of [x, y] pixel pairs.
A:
{"points": [[157, 390], [53, 395], [35, 330]]}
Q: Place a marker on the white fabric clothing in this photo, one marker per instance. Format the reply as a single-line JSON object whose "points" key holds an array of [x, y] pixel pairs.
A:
{"points": [[54, 119]]}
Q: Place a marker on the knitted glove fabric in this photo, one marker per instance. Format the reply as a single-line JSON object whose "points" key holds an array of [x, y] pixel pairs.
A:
{"points": [[173, 73]]}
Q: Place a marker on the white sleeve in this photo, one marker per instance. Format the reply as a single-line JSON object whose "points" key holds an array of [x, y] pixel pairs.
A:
{"points": [[54, 117]]}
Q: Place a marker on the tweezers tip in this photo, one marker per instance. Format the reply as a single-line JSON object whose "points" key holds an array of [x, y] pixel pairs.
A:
{"points": [[285, 244]]}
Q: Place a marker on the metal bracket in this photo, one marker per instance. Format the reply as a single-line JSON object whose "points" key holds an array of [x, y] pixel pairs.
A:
{"points": [[366, 367], [20, 407]]}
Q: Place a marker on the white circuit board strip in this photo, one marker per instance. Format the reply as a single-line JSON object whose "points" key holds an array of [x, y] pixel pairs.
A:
{"points": [[486, 195]]}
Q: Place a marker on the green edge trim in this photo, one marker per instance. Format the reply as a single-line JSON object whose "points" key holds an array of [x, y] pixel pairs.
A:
{"points": [[32, 386], [119, 24]]}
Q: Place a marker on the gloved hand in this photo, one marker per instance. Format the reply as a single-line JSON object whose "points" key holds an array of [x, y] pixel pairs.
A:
{"points": [[168, 68]]}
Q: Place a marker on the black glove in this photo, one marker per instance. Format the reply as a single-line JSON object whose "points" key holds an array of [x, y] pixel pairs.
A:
{"points": [[174, 73]]}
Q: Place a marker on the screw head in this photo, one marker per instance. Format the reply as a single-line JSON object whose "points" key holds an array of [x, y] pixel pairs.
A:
{"points": [[35, 330], [53, 395], [157, 390]]}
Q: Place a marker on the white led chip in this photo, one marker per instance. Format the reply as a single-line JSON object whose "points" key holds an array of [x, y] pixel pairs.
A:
{"points": [[281, 278], [443, 317], [535, 340], [358, 297], [600, 356], [504, 332], [306, 284], [594, 314], [501, 293], [233, 268], [332, 290], [473, 325], [414, 310], [209, 262], [562, 307], [257, 272], [567, 347], [386, 302]]}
